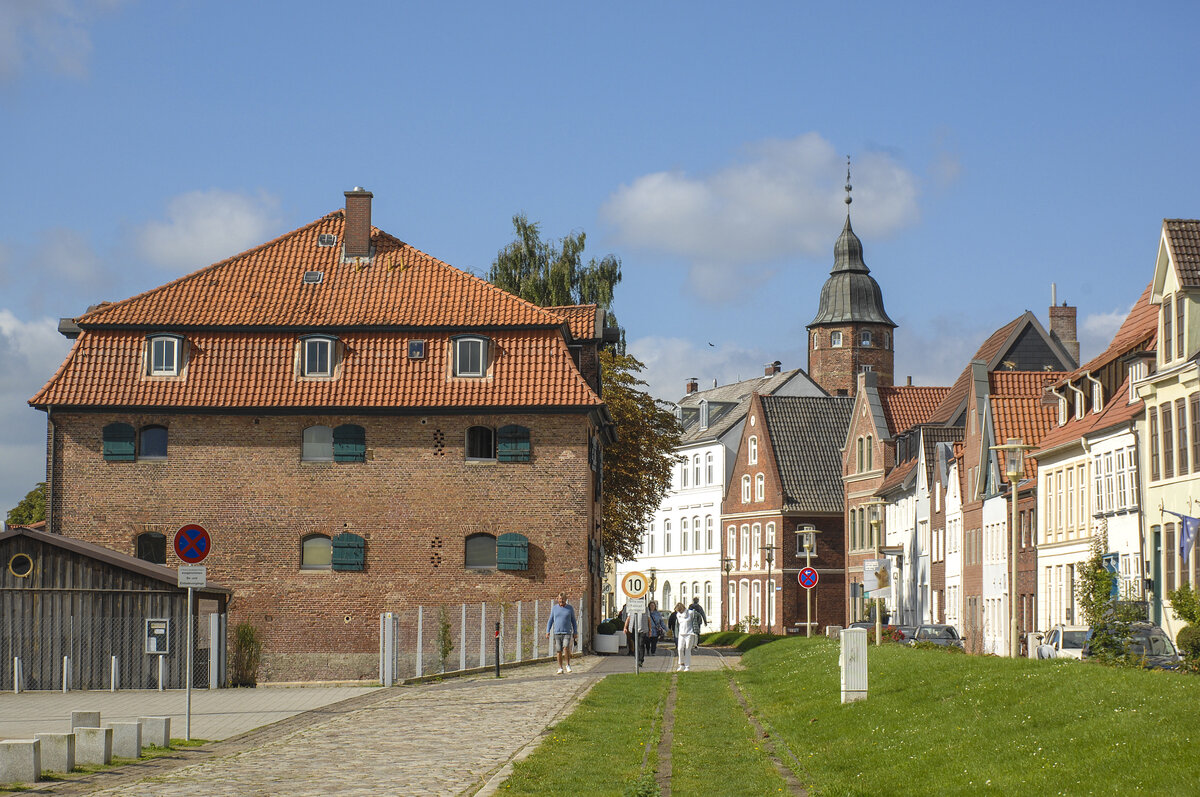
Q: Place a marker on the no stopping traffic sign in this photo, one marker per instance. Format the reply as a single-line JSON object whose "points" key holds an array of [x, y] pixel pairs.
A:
{"points": [[192, 543]]}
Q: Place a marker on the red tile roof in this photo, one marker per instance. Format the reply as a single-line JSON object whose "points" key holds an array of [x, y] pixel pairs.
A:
{"points": [[959, 391], [583, 320], [1119, 410], [264, 287], [906, 406], [1136, 331], [1183, 241], [1019, 411], [896, 476]]}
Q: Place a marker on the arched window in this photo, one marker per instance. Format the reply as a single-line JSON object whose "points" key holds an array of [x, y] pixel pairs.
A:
{"points": [[870, 452], [704, 414], [732, 610], [666, 596], [683, 593], [745, 546], [760, 487], [152, 442], [152, 547], [683, 474], [708, 532], [317, 444], [118, 442], [731, 553], [746, 489], [708, 468], [756, 544], [752, 450], [854, 542], [771, 535], [163, 355], [708, 598], [696, 533], [666, 536], [650, 537], [316, 552], [683, 535], [481, 443], [696, 470], [835, 339], [756, 601], [858, 465], [317, 355], [816, 340], [479, 551], [865, 337]]}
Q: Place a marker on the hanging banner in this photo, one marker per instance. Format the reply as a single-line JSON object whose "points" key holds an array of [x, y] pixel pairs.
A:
{"points": [[877, 578]]}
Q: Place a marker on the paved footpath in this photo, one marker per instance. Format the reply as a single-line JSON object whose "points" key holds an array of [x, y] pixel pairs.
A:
{"points": [[455, 737]]}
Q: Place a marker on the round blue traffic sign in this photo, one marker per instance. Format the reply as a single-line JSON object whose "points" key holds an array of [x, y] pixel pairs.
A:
{"points": [[808, 578], [192, 543]]}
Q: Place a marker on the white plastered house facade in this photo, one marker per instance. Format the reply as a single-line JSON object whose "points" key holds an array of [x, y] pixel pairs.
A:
{"points": [[954, 543]]}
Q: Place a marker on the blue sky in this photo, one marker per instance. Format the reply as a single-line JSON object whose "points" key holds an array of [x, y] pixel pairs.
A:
{"points": [[996, 149]]}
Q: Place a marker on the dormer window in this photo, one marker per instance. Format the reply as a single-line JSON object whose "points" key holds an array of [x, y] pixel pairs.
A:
{"points": [[470, 356], [703, 414], [1062, 410], [163, 355], [1180, 327], [1097, 397], [1167, 337], [316, 356]]}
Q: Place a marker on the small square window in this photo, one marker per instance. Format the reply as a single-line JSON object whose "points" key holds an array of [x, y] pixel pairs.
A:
{"points": [[326, 239], [416, 350]]}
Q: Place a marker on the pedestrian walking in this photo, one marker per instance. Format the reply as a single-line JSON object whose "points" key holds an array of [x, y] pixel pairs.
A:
{"points": [[623, 617], [658, 628], [637, 626], [698, 609], [561, 623], [687, 631]]}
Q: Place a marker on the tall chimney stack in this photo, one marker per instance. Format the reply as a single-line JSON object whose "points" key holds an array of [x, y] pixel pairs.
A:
{"points": [[1063, 327], [357, 241], [693, 384]]}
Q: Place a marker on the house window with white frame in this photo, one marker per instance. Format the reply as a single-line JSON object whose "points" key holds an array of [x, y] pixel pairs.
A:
{"points": [[864, 338], [708, 532], [835, 340], [666, 536], [745, 552], [756, 544], [316, 357], [752, 450], [316, 552], [683, 475], [759, 487], [746, 488], [683, 535], [696, 470], [470, 356], [696, 533], [708, 468], [732, 550], [163, 356]]}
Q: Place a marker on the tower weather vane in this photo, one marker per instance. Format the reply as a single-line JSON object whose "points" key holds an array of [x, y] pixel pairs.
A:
{"points": [[848, 186]]}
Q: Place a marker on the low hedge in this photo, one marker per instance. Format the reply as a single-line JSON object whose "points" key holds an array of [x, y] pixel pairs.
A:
{"points": [[737, 639]]}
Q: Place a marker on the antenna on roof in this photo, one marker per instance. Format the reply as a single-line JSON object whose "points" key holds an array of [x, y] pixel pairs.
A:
{"points": [[849, 187]]}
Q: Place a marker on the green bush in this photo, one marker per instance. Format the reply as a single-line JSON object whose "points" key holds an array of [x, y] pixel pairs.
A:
{"points": [[247, 654], [1188, 640], [925, 645], [737, 639], [608, 627]]}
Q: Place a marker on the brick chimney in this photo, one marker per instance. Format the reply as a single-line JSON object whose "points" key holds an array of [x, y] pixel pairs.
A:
{"points": [[1062, 326], [770, 369], [357, 241], [693, 384]]}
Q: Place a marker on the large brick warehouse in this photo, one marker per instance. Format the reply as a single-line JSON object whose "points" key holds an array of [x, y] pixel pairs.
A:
{"points": [[358, 426]]}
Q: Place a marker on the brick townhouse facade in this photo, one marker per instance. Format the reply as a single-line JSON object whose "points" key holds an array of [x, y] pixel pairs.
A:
{"points": [[359, 426]]}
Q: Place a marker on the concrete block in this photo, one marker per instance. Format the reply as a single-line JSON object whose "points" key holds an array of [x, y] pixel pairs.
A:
{"points": [[20, 760], [93, 746], [85, 719], [58, 751], [126, 739], [156, 731]]}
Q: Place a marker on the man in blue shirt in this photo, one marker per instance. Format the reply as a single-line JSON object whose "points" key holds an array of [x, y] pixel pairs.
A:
{"points": [[562, 624]]}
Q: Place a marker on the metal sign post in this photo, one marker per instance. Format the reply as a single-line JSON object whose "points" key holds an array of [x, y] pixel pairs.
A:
{"points": [[192, 545]]}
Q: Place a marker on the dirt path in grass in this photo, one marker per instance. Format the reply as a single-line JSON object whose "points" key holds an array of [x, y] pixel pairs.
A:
{"points": [[663, 775], [785, 771]]}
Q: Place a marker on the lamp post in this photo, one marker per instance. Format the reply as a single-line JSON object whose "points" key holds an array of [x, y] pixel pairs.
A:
{"points": [[653, 581], [1014, 469], [807, 533], [872, 507], [727, 566], [769, 555]]}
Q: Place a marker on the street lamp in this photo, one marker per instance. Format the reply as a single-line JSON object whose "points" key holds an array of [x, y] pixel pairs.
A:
{"points": [[872, 507], [727, 566], [769, 555], [653, 581], [1014, 468], [807, 533]]}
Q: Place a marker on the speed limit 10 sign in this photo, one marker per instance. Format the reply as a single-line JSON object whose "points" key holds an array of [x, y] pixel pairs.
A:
{"points": [[634, 585]]}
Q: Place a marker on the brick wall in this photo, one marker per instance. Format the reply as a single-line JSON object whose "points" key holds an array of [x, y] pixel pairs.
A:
{"points": [[836, 369], [414, 501]]}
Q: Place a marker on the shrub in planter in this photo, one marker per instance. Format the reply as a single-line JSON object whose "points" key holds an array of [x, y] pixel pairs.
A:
{"points": [[608, 627]]}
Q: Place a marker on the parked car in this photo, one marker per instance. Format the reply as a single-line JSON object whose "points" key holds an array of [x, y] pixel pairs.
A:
{"points": [[938, 634], [1063, 642], [909, 631], [1152, 645]]}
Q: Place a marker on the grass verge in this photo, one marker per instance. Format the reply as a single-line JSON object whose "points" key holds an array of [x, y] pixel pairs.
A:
{"points": [[736, 639], [599, 748], [714, 744], [938, 723]]}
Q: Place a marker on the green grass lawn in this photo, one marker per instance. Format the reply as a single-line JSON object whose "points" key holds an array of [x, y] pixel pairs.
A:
{"points": [[939, 723], [711, 735]]}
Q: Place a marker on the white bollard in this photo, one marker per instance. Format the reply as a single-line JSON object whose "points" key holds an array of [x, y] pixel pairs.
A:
{"points": [[114, 678], [66, 674], [854, 664], [16, 675]]}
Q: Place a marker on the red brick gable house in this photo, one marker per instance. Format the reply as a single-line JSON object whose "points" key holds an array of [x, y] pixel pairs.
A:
{"points": [[357, 425]]}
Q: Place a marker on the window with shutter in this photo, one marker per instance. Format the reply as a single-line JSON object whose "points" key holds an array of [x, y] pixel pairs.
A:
{"points": [[118, 442], [349, 552], [349, 443], [512, 552], [513, 444]]}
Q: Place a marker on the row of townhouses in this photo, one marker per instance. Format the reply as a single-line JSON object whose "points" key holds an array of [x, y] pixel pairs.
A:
{"points": [[1100, 452]]}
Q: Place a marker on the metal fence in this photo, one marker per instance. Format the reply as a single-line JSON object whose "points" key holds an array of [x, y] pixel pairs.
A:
{"points": [[427, 640], [64, 653]]}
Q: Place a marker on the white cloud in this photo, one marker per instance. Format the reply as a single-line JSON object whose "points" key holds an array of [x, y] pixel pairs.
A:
{"points": [[670, 362], [1097, 331], [782, 199], [30, 352], [203, 227], [53, 33]]}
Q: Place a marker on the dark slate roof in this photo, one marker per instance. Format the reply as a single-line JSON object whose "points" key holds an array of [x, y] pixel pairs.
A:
{"points": [[807, 433], [851, 294], [1183, 240], [167, 575], [727, 404]]}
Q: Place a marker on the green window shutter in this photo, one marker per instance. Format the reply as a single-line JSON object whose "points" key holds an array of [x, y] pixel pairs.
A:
{"points": [[513, 444], [118, 442], [349, 443], [512, 552], [349, 552]]}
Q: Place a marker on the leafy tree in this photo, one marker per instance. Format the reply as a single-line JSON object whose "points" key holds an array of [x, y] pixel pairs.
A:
{"points": [[1109, 620], [637, 467], [553, 275], [31, 509], [1185, 602]]}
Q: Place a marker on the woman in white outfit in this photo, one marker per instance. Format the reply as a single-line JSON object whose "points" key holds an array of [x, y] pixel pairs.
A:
{"points": [[687, 627]]}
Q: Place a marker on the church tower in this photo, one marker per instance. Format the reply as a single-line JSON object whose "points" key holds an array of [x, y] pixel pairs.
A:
{"points": [[852, 332]]}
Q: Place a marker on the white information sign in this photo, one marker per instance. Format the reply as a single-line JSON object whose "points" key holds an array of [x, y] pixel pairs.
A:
{"points": [[877, 578], [636, 606], [193, 576]]}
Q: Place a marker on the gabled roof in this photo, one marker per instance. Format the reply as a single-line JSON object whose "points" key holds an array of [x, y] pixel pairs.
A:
{"points": [[728, 404], [1182, 239], [1118, 411], [991, 352], [168, 575], [806, 434], [906, 406], [531, 368], [264, 287], [1018, 410], [584, 320], [898, 478]]}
